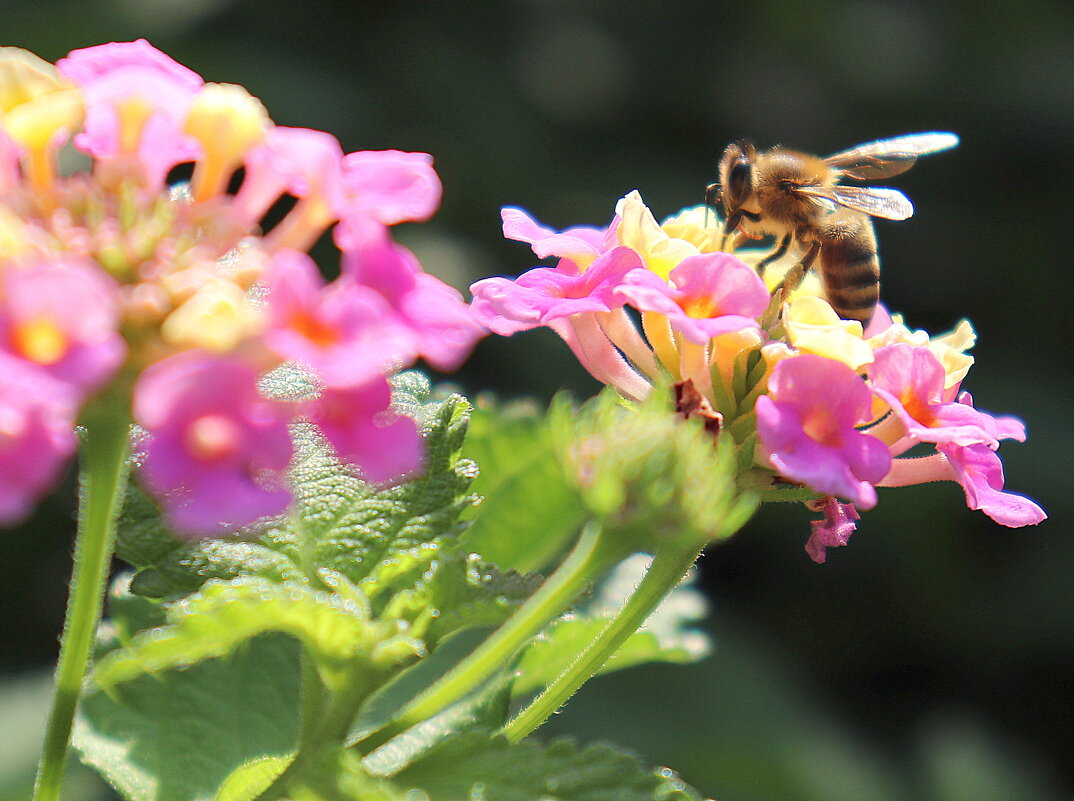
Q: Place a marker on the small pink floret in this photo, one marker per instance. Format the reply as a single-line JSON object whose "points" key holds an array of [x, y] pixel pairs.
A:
{"points": [[544, 295], [217, 450], [806, 427], [833, 531], [708, 295], [978, 469], [910, 380]]}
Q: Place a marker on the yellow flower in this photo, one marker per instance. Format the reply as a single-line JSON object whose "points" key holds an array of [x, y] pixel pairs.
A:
{"points": [[639, 230], [813, 327]]}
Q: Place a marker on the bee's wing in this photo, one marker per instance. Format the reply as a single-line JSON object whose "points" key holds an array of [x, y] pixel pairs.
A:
{"points": [[891, 204], [887, 157]]}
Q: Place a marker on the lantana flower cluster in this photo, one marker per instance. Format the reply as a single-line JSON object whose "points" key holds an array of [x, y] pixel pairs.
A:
{"points": [[181, 295], [829, 410]]}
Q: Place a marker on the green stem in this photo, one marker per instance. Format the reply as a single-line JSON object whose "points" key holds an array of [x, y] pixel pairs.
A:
{"points": [[324, 725], [667, 570], [103, 477], [559, 590]]}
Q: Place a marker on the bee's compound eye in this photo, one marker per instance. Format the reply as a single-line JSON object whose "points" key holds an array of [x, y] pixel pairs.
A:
{"points": [[738, 181]]}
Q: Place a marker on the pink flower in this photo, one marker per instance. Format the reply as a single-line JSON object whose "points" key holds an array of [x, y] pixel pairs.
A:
{"points": [[911, 381], [709, 295], [581, 244], [833, 531], [390, 186], [978, 469], [358, 423], [36, 435], [444, 326], [346, 333], [544, 294], [63, 316], [806, 427], [300, 162], [136, 100], [217, 450]]}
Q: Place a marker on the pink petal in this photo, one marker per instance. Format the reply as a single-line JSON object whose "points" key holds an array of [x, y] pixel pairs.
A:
{"points": [[979, 470], [391, 186], [358, 423]]}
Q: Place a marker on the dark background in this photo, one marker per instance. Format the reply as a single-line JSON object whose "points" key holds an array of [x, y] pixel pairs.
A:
{"points": [[931, 658]]}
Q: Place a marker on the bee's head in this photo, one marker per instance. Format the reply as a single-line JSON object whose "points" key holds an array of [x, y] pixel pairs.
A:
{"points": [[736, 180]]}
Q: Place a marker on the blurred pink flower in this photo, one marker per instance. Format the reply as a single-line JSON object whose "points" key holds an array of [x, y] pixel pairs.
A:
{"points": [[444, 326], [136, 99], [390, 186], [359, 424], [62, 315], [217, 450], [346, 333], [37, 435]]}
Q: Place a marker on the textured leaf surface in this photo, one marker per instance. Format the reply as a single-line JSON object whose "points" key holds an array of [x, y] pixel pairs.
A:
{"points": [[223, 615], [476, 767], [178, 735]]}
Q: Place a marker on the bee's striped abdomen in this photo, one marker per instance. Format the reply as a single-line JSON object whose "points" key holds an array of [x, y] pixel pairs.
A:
{"points": [[849, 265]]}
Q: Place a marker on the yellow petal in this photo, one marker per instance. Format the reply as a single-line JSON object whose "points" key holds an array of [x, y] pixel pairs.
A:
{"points": [[227, 121], [23, 77], [814, 327], [639, 230], [698, 225], [217, 317]]}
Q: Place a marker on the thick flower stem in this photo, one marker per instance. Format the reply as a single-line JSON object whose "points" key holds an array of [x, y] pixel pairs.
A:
{"points": [[581, 566], [326, 717], [667, 570], [103, 476]]}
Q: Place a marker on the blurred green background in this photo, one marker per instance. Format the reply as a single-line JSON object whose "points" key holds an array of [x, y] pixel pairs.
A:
{"points": [[930, 659]]}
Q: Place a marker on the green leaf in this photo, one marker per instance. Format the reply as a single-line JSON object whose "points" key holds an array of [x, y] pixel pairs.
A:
{"points": [[179, 734], [249, 780], [170, 567], [665, 636], [529, 510], [344, 524], [334, 627], [459, 592], [475, 767]]}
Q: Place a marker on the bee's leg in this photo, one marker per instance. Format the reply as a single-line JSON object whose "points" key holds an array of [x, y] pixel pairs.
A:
{"points": [[795, 275], [712, 195], [775, 255]]}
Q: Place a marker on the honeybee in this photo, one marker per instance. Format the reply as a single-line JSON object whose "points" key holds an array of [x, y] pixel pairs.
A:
{"points": [[797, 197]]}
